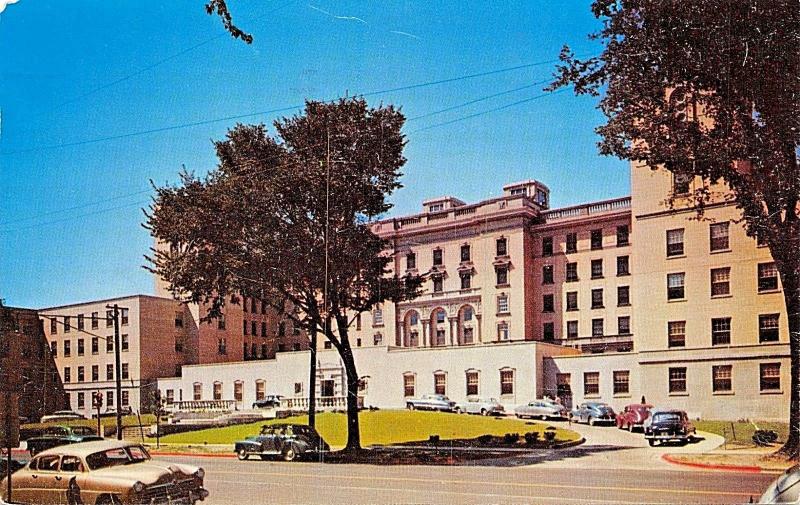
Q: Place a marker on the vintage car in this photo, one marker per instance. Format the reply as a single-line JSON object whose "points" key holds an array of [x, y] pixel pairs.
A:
{"points": [[60, 435], [666, 425], [269, 401], [288, 441], [784, 489], [593, 412], [431, 402], [62, 415], [543, 409], [482, 406], [633, 416], [105, 472]]}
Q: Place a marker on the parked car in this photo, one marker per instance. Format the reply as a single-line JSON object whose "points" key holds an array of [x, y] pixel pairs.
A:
{"points": [[482, 406], [784, 489], [61, 415], [55, 436], [633, 416], [105, 472], [665, 425], [594, 412], [112, 412], [543, 409], [288, 441], [269, 401], [431, 402]]}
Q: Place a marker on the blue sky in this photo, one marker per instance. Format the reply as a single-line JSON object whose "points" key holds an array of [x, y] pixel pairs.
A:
{"points": [[75, 73]]}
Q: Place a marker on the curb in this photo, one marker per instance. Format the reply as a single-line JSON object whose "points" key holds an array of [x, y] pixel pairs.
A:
{"points": [[711, 466]]}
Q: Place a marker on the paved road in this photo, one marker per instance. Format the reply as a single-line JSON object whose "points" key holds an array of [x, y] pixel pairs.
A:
{"points": [[231, 481]]}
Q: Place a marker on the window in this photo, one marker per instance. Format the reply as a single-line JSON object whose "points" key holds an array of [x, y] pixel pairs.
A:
{"points": [[124, 343], [435, 207], [440, 384], [502, 304], [81, 400], [472, 383], [768, 327], [109, 398], [466, 280], [411, 261], [126, 398], [597, 269], [109, 344], [67, 374], [441, 316], [547, 274], [572, 329], [281, 328], [622, 382], [217, 391], [109, 318], [623, 266], [502, 247], [328, 345], [720, 281], [680, 183], [675, 242], [563, 387], [197, 391], [254, 328], [591, 383], [502, 276], [572, 300], [67, 324], [377, 339], [95, 345], [54, 348], [770, 376], [238, 391], [548, 332], [767, 277], [721, 331], [547, 246], [676, 334], [377, 317], [95, 373], [677, 380], [67, 350], [675, 284], [53, 326], [572, 272], [170, 396], [261, 389], [408, 385], [124, 372], [81, 375], [506, 382], [719, 236], [264, 350], [179, 319], [221, 322], [245, 326], [517, 191], [81, 348], [437, 257], [597, 239], [623, 235], [413, 318], [465, 256], [179, 344], [263, 307], [721, 378], [502, 331], [109, 372], [468, 336], [572, 242], [547, 303], [80, 322], [95, 322], [263, 328], [124, 316], [597, 298], [438, 285], [623, 296], [253, 305], [624, 325], [597, 327]]}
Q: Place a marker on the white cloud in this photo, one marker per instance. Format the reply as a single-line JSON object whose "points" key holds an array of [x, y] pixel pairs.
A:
{"points": [[5, 3]]}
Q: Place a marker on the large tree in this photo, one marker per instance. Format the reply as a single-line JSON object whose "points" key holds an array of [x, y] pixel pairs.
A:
{"points": [[288, 219], [709, 88]]}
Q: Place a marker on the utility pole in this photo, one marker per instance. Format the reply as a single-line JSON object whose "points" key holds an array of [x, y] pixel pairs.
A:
{"points": [[118, 372]]}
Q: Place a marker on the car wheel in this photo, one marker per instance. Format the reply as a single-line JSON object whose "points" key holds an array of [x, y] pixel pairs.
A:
{"points": [[651, 441], [458, 410], [33, 452], [543, 417], [630, 428], [289, 454], [484, 412], [242, 454], [410, 406], [591, 421]]}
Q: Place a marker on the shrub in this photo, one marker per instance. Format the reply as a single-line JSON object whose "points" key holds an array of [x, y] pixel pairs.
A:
{"points": [[531, 437], [485, 439], [434, 439], [550, 434], [510, 438]]}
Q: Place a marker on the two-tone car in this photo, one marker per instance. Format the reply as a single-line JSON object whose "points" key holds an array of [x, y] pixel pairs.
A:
{"points": [[482, 406], [55, 436], [543, 409], [593, 413], [107, 472], [62, 415], [431, 402], [665, 425], [633, 416], [288, 441]]}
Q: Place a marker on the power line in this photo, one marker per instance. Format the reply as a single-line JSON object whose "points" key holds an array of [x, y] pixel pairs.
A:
{"points": [[59, 211], [66, 219]]}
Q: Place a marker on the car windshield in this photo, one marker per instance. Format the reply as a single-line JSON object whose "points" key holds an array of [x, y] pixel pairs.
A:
{"points": [[117, 456]]}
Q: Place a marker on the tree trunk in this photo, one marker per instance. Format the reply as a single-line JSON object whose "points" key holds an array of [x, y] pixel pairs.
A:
{"points": [[346, 353], [791, 294], [312, 378]]}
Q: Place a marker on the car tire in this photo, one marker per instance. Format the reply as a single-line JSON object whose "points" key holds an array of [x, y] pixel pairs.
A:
{"points": [[591, 421], [242, 454], [484, 412], [289, 454], [543, 417], [652, 442], [410, 406], [457, 410], [630, 428]]}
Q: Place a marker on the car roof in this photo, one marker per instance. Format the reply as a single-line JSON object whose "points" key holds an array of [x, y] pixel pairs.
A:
{"points": [[83, 449]]}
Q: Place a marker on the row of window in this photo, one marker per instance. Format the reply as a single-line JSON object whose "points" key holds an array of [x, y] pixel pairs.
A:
{"points": [[501, 249], [598, 330], [471, 383], [238, 391], [623, 299], [95, 370], [768, 330], [718, 238], [94, 321], [595, 240], [251, 328], [124, 346], [721, 281], [124, 399], [254, 351]]}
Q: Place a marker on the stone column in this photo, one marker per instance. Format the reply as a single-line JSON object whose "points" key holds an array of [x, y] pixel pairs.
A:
{"points": [[425, 325], [480, 326], [403, 342], [453, 331]]}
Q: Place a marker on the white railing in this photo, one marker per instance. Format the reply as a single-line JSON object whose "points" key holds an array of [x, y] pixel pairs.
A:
{"points": [[202, 406], [322, 403], [588, 210]]}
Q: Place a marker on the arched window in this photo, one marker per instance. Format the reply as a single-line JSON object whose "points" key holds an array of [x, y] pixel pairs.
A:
{"points": [[217, 390], [238, 390], [261, 389]]}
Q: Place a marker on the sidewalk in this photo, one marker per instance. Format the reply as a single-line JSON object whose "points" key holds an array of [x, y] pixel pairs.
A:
{"points": [[750, 460]]}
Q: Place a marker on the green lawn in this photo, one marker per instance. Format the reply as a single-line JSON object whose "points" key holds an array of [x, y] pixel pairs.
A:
{"points": [[132, 420], [381, 427], [741, 432]]}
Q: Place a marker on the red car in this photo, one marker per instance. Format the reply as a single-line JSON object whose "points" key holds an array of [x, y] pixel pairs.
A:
{"points": [[633, 416]]}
